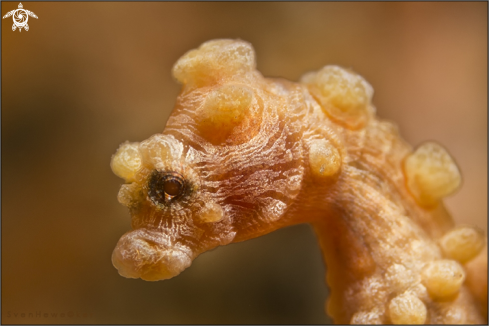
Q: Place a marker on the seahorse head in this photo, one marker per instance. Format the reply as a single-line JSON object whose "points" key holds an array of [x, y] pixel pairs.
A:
{"points": [[227, 167]]}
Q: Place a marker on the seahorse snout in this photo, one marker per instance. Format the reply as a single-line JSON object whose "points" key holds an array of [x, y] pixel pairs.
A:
{"points": [[150, 256]]}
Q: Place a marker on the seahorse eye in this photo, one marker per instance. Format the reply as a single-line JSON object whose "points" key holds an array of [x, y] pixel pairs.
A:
{"points": [[165, 186], [173, 187]]}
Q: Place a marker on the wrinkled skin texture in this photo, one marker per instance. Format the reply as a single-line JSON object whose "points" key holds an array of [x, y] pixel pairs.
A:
{"points": [[243, 155]]}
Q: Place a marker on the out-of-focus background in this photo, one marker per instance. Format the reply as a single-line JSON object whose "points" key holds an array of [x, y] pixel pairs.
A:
{"points": [[88, 76]]}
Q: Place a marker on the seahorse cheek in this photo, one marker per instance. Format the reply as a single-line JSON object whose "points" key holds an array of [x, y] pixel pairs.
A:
{"points": [[210, 213], [141, 254]]}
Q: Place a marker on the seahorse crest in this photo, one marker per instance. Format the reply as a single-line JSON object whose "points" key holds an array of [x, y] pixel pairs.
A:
{"points": [[214, 61]]}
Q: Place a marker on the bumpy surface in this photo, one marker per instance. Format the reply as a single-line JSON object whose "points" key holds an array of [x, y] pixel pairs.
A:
{"points": [[243, 155]]}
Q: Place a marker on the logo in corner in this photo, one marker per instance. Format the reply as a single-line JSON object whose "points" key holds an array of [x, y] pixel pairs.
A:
{"points": [[20, 17]]}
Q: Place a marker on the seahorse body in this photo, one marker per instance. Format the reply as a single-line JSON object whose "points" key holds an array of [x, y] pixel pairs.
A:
{"points": [[243, 155]]}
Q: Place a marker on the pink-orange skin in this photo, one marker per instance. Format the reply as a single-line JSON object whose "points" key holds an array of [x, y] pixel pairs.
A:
{"points": [[255, 168]]}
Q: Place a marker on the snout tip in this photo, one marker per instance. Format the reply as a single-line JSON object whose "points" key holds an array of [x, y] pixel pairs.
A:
{"points": [[140, 254]]}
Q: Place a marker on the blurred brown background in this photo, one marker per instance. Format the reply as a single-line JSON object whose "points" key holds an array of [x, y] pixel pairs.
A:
{"points": [[88, 76]]}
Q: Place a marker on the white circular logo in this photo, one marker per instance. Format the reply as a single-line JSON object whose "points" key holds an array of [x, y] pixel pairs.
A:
{"points": [[20, 17]]}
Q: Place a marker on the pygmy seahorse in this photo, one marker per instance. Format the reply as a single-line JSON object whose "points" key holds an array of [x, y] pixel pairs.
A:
{"points": [[243, 155]]}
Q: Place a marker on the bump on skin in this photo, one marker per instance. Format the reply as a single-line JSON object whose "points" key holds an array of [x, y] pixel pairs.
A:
{"points": [[407, 309], [324, 158], [228, 103], [225, 108], [160, 151], [399, 277], [210, 213], [344, 96], [462, 243], [213, 61], [129, 194], [431, 174], [443, 279], [126, 161]]}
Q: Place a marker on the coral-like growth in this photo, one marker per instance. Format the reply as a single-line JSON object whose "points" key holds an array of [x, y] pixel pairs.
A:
{"points": [[243, 155]]}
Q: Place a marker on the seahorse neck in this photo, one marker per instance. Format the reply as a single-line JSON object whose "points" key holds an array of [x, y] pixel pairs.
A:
{"points": [[364, 234]]}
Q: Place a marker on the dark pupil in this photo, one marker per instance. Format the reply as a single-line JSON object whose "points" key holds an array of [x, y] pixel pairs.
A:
{"points": [[173, 187], [165, 186]]}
